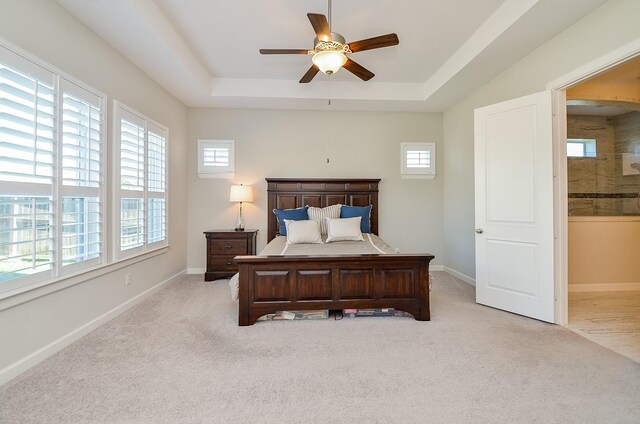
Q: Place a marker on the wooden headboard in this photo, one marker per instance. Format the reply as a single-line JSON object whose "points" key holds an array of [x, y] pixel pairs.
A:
{"points": [[291, 193]]}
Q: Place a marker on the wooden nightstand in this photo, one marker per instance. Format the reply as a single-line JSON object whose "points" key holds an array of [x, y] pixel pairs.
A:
{"points": [[222, 247]]}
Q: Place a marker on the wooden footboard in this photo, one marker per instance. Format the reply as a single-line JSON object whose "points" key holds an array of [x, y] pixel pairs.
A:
{"points": [[285, 283]]}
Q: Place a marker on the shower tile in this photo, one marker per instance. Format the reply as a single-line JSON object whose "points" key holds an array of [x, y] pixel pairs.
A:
{"points": [[631, 206], [581, 207], [607, 207]]}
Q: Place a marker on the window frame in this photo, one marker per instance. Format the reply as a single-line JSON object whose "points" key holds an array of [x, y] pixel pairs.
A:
{"points": [[62, 83], [584, 142], [428, 172], [212, 171], [85, 191], [120, 109]]}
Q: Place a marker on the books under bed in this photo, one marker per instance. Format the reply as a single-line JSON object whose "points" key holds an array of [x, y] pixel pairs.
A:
{"points": [[324, 254]]}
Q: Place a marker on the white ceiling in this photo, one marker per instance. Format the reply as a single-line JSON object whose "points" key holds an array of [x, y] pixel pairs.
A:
{"points": [[205, 52], [600, 107], [584, 110]]}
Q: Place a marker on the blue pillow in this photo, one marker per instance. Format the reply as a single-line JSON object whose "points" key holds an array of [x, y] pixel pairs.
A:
{"points": [[354, 211], [299, 214]]}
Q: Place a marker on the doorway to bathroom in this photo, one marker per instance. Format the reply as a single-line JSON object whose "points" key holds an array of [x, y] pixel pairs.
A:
{"points": [[603, 185]]}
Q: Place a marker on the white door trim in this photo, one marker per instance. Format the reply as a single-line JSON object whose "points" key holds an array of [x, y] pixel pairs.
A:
{"points": [[560, 207], [561, 221], [609, 60]]}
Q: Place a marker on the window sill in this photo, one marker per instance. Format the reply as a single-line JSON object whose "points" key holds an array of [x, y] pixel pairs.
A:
{"points": [[226, 175], [23, 294], [418, 177]]}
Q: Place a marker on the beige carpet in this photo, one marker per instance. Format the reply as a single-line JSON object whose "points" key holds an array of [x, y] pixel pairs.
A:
{"points": [[179, 357]]}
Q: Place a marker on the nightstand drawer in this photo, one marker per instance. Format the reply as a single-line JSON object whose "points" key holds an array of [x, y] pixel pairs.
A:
{"points": [[222, 247], [226, 247], [221, 263]]}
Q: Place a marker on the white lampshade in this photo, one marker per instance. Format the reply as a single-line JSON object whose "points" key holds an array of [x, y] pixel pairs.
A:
{"points": [[329, 61], [241, 193]]}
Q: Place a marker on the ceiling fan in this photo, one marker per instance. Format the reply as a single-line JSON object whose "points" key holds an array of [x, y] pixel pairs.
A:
{"points": [[330, 51]]}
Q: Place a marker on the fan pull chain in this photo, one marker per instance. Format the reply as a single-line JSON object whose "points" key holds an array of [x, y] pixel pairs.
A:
{"points": [[327, 124]]}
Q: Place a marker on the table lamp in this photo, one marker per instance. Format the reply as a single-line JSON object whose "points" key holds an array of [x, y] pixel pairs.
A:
{"points": [[240, 193]]}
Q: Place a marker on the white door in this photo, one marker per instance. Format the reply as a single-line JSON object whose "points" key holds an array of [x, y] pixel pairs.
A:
{"points": [[514, 206]]}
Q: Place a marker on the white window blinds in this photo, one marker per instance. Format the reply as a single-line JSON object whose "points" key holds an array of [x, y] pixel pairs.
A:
{"points": [[216, 158], [27, 108], [82, 175], [81, 140], [51, 161], [418, 160], [132, 152], [156, 176], [141, 146], [156, 159], [26, 238]]}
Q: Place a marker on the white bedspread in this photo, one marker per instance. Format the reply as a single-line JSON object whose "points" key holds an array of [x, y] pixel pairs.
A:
{"points": [[372, 244]]}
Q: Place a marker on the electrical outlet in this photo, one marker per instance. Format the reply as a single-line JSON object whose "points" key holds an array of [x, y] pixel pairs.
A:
{"points": [[127, 279]]}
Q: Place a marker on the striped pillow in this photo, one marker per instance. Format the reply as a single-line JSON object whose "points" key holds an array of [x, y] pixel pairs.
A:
{"points": [[319, 214]]}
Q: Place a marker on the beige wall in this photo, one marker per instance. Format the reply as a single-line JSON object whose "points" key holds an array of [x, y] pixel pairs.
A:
{"points": [[607, 28], [603, 253], [46, 30], [279, 143]]}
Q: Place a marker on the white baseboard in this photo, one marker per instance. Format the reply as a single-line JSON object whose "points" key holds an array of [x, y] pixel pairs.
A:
{"points": [[191, 271], [603, 287], [460, 275], [43, 353]]}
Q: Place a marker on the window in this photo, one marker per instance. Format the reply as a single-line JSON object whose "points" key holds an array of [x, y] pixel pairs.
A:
{"points": [[418, 160], [216, 158], [581, 148], [141, 186], [51, 170]]}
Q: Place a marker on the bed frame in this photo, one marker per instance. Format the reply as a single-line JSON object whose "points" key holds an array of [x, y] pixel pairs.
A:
{"points": [[285, 283]]}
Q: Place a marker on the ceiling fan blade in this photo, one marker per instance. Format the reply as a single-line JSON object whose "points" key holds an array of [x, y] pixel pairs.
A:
{"points": [[358, 70], [320, 25], [283, 51], [374, 43], [310, 74]]}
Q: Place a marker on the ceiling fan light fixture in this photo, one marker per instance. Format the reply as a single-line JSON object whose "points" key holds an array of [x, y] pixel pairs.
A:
{"points": [[330, 51], [329, 61]]}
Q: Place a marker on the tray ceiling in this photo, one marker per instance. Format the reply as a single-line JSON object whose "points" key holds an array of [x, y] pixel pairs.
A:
{"points": [[205, 52]]}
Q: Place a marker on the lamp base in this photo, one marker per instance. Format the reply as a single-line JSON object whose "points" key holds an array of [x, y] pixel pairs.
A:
{"points": [[240, 220]]}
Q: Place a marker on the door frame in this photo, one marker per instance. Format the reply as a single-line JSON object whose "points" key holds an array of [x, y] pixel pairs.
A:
{"points": [[558, 88]]}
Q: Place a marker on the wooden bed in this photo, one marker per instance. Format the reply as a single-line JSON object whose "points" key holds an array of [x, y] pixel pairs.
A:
{"points": [[285, 283]]}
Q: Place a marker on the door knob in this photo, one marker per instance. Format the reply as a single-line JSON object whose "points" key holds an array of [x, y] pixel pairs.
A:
{"points": [[479, 230]]}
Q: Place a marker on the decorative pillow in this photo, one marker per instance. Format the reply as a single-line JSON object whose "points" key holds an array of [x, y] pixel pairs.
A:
{"points": [[362, 211], [300, 232], [346, 229], [319, 214], [299, 214]]}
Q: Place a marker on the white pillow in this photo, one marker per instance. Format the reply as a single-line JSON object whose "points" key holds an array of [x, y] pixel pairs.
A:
{"points": [[345, 229], [300, 232], [320, 215]]}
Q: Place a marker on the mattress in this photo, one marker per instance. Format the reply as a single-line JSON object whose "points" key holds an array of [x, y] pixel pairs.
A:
{"points": [[372, 245]]}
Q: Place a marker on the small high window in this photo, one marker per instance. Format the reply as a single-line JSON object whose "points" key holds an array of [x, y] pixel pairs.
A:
{"points": [[418, 160], [581, 147], [216, 158]]}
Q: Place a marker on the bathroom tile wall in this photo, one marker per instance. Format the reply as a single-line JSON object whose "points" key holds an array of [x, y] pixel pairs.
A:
{"points": [[592, 175], [603, 174]]}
